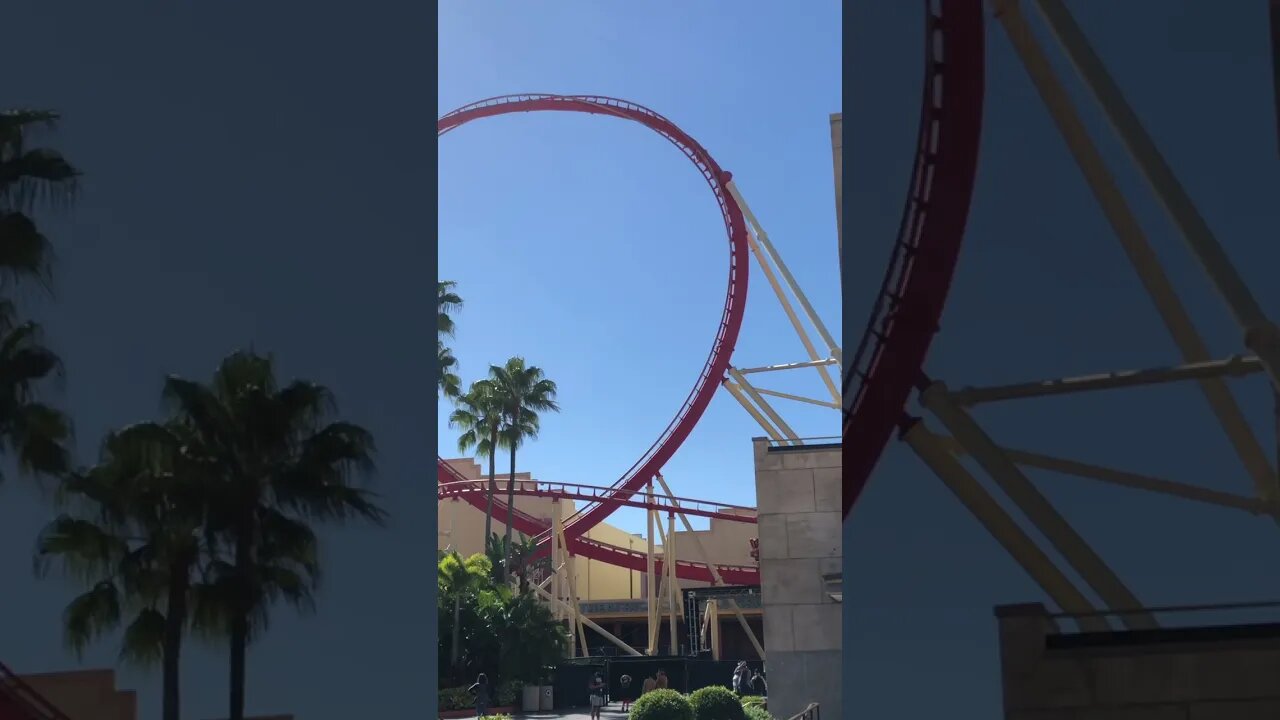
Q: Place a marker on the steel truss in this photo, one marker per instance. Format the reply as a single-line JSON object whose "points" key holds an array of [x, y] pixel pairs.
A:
{"points": [[823, 351], [1260, 338], [662, 586]]}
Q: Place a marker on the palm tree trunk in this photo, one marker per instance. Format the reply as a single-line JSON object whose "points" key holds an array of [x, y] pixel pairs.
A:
{"points": [[511, 509], [240, 619], [455, 650], [175, 619], [493, 485]]}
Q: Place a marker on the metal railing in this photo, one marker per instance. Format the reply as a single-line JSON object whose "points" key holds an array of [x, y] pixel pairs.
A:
{"points": [[809, 713]]}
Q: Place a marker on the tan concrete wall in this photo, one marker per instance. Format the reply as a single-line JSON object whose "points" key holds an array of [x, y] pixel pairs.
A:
{"points": [[85, 694], [1237, 679], [798, 496], [461, 527]]}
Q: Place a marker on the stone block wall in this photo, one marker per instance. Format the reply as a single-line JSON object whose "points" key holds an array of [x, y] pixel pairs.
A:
{"points": [[799, 526], [1174, 674]]}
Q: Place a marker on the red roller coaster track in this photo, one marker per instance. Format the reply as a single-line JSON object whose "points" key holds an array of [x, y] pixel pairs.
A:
{"points": [[473, 492], [726, 336], [18, 701], [906, 315]]}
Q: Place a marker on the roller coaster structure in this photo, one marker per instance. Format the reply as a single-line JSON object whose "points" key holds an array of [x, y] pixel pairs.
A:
{"points": [[910, 307], [747, 238]]}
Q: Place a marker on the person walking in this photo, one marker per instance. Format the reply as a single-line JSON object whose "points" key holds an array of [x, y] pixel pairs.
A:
{"points": [[741, 673], [481, 691], [625, 682], [650, 684], [662, 680], [758, 685], [595, 690]]}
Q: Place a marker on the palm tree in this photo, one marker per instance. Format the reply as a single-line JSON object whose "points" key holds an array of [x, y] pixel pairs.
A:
{"points": [[448, 383], [28, 176], [34, 432], [446, 302], [458, 579], [137, 542], [281, 463], [479, 415], [523, 391], [31, 432]]}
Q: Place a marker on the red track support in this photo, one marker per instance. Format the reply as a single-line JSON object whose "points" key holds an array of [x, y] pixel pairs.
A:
{"points": [[907, 312]]}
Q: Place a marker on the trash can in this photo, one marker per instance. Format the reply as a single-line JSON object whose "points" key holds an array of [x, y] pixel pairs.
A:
{"points": [[547, 701], [529, 697]]}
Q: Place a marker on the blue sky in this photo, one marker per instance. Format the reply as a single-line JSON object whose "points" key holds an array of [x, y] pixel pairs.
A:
{"points": [[595, 249]]}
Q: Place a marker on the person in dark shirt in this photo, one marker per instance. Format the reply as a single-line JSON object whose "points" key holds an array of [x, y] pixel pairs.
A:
{"points": [[481, 690], [625, 682], [758, 685]]}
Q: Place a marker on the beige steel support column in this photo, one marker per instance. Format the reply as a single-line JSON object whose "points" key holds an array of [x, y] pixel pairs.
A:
{"points": [[651, 592], [715, 572], [713, 619], [764, 405], [571, 577], [1261, 335], [591, 624], [1238, 366], [741, 397], [673, 583], [655, 630], [557, 559], [1024, 551], [759, 239], [1134, 241], [1135, 481], [1037, 508]]}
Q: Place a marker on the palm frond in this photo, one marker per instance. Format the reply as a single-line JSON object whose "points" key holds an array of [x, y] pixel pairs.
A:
{"points": [[90, 615], [143, 642]]}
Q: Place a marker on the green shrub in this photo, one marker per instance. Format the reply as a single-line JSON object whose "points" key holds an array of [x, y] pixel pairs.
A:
{"points": [[508, 693], [716, 703], [458, 698], [498, 717], [661, 705], [755, 712], [757, 700]]}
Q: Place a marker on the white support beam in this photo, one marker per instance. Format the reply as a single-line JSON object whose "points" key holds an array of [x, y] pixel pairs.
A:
{"points": [[764, 406], [591, 624], [1261, 335], [798, 398], [1134, 242], [1135, 481], [789, 366], [763, 239], [739, 395], [1091, 567], [1236, 366], [1020, 546], [673, 582]]}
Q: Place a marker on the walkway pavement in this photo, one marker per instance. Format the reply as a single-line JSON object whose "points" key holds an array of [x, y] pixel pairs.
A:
{"points": [[612, 712]]}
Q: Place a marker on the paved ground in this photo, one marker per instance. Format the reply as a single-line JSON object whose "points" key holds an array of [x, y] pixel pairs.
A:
{"points": [[612, 712]]}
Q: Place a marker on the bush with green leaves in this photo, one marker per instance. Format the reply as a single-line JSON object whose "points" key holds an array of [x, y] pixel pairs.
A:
{"points": [[755, 712], [757, 700], [508, 693], [456, 698], [661, 705], [716, 703]]}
